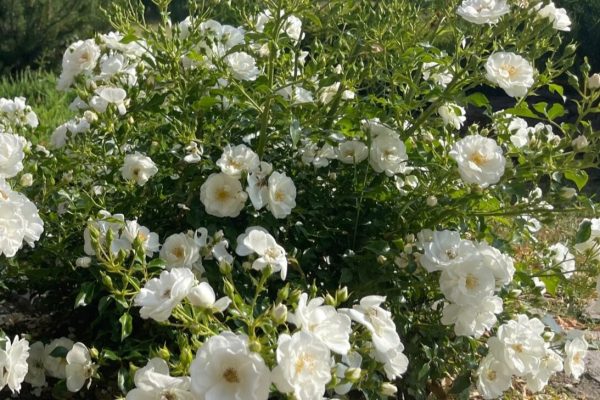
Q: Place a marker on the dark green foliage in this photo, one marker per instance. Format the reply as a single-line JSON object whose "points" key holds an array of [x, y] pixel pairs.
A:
{"points": [[35, 32], [585, 15]]}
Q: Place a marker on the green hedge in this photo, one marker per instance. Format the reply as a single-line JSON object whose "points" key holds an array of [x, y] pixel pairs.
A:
{"points": [[585, 15]]}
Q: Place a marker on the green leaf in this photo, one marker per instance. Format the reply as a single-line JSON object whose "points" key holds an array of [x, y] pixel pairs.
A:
{"points": [[110, 355], [584, 232], [478, 100], [461, 383], [295, 132], [556, 111], [130, 37], [122, 379], [157, 263], [578, 176], [205, 103], [59, 352], [540, 107], [551, 283], [86, 294], [554, 88], [126, 325], [522, 110]]}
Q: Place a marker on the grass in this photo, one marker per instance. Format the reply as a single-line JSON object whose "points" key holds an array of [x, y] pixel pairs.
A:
{"points": [[39, 88]]}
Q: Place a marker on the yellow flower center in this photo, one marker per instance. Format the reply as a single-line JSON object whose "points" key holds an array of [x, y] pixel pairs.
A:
{"points": [[491, 375], [511, 70], [305, 361], [479, 158], [471, 282], [279, 196], [231, 375], [518, 347], [178, 252], [222, 194]]}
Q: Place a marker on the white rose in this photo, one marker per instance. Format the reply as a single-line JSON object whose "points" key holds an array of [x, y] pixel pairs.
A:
{"points": [[388, 154], [550, 364], [222, 195], [511, 72], [445, 249], [580, 143], [180, 250], [480, 160], [258, 187], [562, 257], [576, 351], [225, 368], [282, 195], [161, 295], [323, 321], [13, 363], [81, 56], [55, 366], [238, 159], [467, 283], [19, 221], [202, 295], [483, 11], [558, 16], [303, 366], [79, 367], [154, 382], [113, 95], [293, 28], [11, 154], [243, 66], [257, 240], [352, 152], [473, 320], [493, 378], [139, 168]]}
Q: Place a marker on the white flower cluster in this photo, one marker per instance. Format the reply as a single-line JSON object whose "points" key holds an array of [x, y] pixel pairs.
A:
{"points": [[480, 160], [452, 114], [519, 349], [222, 193], [16, 113], [69, 129], [138, 168], [226, 365], [60, 359], [104, 60], [19, 221], [524, 136], [471, 274], [557, 16]]}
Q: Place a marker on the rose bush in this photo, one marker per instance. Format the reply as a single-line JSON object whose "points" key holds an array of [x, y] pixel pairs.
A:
{"points": [[289, 198]]}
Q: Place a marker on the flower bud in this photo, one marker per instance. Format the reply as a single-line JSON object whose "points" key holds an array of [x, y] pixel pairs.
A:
{"points": [[107, 281], [388, 389], [90, 116], [283, 293], [568, 193], [229, 289], [579, 143], [353, 374], [381, 259], [186, 356], [342, 294], [26, 180], [202, 295], [295, 296], [432, 201], [83, 262], [279, 313], [329, 300], [594, 82], [94, 353], [164, 353], [225, 268], [255, 346]]}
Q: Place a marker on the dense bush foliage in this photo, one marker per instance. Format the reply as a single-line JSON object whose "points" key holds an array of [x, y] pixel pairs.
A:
{"points": [[586, 27], [291, 201]]}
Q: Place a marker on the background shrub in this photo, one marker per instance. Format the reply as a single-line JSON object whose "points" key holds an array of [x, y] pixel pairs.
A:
{"points": [[585, 15]]}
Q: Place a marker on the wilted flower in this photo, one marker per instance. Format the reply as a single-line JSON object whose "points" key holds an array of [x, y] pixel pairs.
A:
{"points": [[36, 373]]}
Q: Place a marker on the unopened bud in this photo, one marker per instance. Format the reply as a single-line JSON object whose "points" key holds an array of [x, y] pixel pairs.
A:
{"points": [[225, 268], [279, 313], [94, 353], [341, 295], [568, 193], [107, 281], [329, 300], [580, 143], [353, 374], [255, 346], [432, 201], [295, 296], [26, 180], [283, 293], [83, 262], [381, 259], [164, 353], [186, 356], [594, 82], [388, 389], [90, 116]]}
